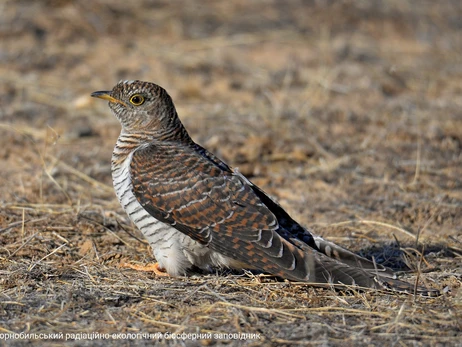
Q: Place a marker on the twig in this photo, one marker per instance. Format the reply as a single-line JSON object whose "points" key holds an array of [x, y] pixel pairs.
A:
{"points": [[109, 230], [22, 222], [53, 252], [85, 177], [376, 223]]}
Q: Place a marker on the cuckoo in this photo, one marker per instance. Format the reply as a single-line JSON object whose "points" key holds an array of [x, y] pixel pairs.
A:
{"points": [[197, 211]]}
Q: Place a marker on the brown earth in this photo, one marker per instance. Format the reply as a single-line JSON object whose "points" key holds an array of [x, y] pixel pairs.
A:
{"points": [[349, 113]]}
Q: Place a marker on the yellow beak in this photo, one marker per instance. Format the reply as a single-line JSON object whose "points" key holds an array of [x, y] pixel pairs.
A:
{"points": [[106, 95]]}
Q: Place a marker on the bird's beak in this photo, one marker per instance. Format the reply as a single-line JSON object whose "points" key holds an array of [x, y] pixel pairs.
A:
{"points": [[106, 95]]}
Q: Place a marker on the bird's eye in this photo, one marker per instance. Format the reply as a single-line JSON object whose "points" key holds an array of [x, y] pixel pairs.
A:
{"points": [[137, 99]]}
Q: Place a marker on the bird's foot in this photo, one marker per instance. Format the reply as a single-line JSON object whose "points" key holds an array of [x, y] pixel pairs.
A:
{"points": [[150, 267]]}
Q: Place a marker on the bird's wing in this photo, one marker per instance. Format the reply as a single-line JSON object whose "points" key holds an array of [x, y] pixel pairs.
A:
{"points": [[216, 207], [291, 230], [318, 243]]}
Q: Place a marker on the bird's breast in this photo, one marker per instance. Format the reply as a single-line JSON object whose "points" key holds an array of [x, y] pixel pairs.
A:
{"points": [[174, 251], [124, 191]]}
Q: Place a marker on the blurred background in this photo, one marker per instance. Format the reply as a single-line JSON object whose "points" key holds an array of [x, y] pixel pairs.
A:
{"points": [[304, 96], [348, 112]]}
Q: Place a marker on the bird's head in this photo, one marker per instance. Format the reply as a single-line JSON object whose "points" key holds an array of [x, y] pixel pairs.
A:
{"points": [[142, 107]]}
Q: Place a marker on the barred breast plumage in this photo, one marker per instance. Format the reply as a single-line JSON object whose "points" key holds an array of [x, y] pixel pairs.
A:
{"points": [[195, 210], [174, 251]]}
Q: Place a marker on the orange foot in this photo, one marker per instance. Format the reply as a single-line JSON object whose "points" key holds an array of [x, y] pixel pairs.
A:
{"points": [[150, 267]]}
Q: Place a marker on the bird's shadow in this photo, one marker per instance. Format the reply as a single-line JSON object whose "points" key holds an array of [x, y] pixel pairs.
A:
{"points": [[405, 257]]}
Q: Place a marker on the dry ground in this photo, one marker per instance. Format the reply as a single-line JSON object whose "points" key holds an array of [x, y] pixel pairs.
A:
{"points": [[348, 112]]}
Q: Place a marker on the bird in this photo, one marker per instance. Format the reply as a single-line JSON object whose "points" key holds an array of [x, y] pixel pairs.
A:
{"points": [[197, 212]]}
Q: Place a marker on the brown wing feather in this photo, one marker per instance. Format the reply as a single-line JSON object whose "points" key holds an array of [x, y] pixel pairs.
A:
{"points": [[221, 209], [214, 206], [293, 230]]}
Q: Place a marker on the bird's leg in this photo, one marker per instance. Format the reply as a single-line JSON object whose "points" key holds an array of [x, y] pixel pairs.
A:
{"points": [[150, 267]]}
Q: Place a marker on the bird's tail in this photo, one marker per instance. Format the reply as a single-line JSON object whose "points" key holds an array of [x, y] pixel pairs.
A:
{"points": [[328, 270], [398, 286]]}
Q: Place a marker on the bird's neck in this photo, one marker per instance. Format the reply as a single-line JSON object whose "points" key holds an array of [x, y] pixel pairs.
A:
{"points": [[129, 141]]}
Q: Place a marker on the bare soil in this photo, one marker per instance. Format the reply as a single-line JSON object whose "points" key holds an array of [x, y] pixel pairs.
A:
{"points": [[349, 113]]}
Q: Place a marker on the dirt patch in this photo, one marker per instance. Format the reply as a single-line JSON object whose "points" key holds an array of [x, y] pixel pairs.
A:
{"points": [[348, 113]]}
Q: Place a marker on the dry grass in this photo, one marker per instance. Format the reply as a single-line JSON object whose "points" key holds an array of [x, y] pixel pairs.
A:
{"points": [[349, 113]]}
